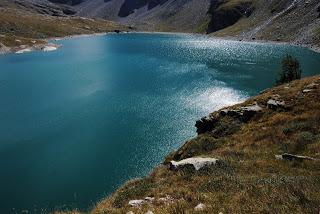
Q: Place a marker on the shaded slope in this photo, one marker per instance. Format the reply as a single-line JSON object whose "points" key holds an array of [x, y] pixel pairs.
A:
{"points": [[287, 20]]}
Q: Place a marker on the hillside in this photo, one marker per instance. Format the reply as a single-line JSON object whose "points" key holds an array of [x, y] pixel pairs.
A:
{"points": [[267, 151], [238, 19], [241, 19], [28, 24]]}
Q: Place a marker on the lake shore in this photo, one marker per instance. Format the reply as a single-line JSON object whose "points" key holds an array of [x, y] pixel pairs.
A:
{"points": [[48, 46]]}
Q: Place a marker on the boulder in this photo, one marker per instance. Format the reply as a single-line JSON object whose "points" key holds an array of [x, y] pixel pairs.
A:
{"points": [[136, 203], [275, 104], [200, 207], [243, 114], [197, 163], [149, 212], [130, 212]]}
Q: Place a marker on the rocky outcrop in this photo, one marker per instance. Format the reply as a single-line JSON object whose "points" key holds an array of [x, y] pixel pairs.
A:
{"points": [[244, 113], [197, 163], [241, 114]]}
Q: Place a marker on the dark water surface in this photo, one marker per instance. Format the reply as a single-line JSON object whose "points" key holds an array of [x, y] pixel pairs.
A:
{"points": [[78, 122]]}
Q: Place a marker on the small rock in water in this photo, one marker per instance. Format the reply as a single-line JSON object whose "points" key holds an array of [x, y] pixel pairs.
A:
{"points": [[197, 163], [200, 207]]}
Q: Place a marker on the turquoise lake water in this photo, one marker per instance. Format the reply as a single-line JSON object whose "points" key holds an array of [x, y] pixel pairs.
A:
{"points": [[78, 122]]}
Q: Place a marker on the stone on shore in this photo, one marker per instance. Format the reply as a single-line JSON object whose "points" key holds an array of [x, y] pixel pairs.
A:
{"points": [[136, 203], [197, 163], [275, 104], [50, 47], [4, 49], [25, 50]]}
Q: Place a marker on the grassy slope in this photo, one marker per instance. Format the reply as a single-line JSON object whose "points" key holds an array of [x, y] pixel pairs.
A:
{"points": [[254, 182], [25, 26]]}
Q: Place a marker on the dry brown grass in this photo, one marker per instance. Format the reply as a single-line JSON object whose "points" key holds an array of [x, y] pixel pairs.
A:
{"points": [[254, 181]]}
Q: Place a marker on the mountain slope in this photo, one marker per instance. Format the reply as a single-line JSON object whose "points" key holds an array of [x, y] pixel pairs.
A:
{"points": [[285, 20], [295, 21]]}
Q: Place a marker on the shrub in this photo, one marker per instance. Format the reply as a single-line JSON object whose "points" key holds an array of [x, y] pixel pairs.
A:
{"points": [[290, 70]]}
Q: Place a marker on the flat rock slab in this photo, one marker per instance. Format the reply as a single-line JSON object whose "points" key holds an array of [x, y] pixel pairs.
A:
{"points": [[292, 157], [197, 163], [136, 203]]}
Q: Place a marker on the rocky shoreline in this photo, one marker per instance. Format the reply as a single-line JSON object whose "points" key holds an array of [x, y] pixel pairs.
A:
{"points": [[28, 48], [23, 48], [47, 46]]}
